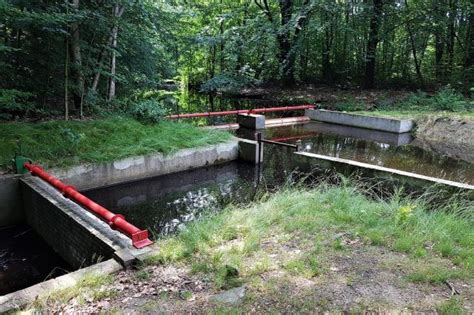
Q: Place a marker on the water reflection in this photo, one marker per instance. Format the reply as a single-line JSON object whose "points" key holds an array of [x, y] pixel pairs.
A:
{"points": [[377, 148], [186, 101], [164, 204]]}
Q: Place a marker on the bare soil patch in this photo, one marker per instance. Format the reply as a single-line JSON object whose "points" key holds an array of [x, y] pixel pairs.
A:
{"points": [[447, 136], [359, 278]]}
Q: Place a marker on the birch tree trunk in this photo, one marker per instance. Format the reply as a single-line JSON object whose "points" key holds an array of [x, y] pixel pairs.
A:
{"points": [[118, 11]]}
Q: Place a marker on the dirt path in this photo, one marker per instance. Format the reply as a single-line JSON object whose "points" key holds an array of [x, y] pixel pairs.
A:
{"points": [[356, 278]]}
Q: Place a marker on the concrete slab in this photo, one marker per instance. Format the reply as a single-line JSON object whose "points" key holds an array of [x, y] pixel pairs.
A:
{"points": [[251, 121], [77, 235], [307, 161], [361, 121], [360, 133], [249, 151], [19, 298]]}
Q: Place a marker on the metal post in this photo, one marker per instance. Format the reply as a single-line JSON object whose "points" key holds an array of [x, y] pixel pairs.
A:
{"points": [[259, 147], [299, 145]]}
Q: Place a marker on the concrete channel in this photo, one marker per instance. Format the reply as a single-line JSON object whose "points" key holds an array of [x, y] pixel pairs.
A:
{"points": [[89, 245]]}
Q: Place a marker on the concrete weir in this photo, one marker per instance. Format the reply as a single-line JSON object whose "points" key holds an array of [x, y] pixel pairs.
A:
{"points": [[308, 161], [78, 236], [361, 121]]}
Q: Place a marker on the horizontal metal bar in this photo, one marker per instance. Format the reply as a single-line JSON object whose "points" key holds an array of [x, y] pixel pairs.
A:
{"points": [[242, 111], [283, 144]]}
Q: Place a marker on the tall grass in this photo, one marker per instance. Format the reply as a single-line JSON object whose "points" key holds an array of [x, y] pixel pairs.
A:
{"points": [[402, 224], [60, 143]]}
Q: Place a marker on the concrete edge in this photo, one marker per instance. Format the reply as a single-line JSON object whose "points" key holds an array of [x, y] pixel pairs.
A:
{"points": [[26, 296], [361, 121], [387, 170], [85, 177]]}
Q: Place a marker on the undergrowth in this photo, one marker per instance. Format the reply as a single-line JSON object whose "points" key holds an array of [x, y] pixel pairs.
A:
{"points": [[446, 99]]}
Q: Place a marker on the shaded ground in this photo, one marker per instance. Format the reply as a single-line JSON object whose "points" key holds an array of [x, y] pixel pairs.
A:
{"points": [[328, 96]]}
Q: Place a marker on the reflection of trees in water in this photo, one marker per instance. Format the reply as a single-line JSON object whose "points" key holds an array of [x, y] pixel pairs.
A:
{"points": [[406, 157], [168, 214], [3, 258]]}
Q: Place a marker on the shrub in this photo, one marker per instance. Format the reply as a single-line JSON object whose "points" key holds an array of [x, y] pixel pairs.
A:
{"points": [[228, 83], [14, 103], [350, 105], [148, 111], [450, 100], [446, 99]]}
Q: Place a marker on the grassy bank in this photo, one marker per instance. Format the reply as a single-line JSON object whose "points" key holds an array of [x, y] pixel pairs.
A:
{"points": [[302, 251], [60, 143], [418, 115]]}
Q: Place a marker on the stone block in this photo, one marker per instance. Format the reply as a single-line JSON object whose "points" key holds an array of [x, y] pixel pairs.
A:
{"points": [[361, 121], [251, 121], [249, 151]]}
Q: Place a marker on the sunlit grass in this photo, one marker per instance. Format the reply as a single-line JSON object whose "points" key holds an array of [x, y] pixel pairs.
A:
{"points": [[234, 237], [60, 143]]}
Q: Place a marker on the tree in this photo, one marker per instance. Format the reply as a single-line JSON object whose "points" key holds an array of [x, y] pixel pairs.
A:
{"points": [[372, 42]]}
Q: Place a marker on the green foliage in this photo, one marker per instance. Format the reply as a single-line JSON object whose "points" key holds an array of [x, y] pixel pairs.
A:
{"points": [[148, 111], [61, 143], [227, 83], [453, 306], [14, 103], [446, 99], [350, 106], [450, 100]]}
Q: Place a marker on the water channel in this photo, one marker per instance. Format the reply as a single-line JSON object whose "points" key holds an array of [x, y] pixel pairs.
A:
{"points": [[165, 204]]}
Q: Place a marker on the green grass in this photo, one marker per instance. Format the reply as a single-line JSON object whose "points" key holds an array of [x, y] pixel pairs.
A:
{"points": [[299, 232], [417, 114], [313, 217], [63, 144], [92, 287]]}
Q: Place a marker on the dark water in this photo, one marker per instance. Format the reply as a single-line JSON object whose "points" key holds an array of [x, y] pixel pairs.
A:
{"points": [[374, 147], [164, 204], [191, 102], [25, 259]]}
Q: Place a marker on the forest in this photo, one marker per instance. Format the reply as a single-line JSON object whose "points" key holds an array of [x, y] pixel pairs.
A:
{"points": [[87, 57]]}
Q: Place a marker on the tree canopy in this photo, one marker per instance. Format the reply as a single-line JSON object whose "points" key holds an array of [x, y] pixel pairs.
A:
{"points": [[81, 55]]}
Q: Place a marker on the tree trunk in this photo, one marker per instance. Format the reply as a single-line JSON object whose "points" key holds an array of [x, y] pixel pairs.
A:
{"points": [[413, 49], [469, 62], [439, 15], [372, 44], [118, 11], [451, 32], [78, 91], [66, 82], [284, 41]]}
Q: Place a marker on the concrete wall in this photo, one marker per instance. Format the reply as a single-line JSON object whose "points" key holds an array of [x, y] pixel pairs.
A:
{"points": [[75, 234], [361, 121], [85, 177], [92, 176], [361, 133], [310, 161], [11, 205]]}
